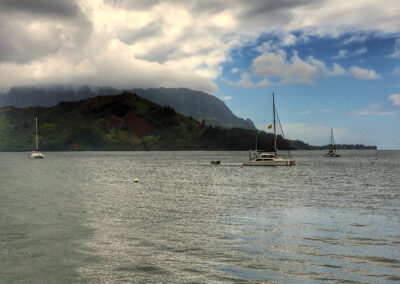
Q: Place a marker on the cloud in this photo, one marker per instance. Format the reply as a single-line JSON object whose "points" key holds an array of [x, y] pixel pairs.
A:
{"points": [[276, 64], [344, 53], [148, 43], [226, 98], [305, 112], [245, 81], [33, 30], [396, 52], [267, 46], [373, 109], [275, 68], [360, 51], [49, 8], [336, 69], [365, 74], [395, 99], [355, 38]]}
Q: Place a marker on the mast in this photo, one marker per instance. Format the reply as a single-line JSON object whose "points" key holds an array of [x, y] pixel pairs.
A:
{"points": [[256, 140], [37, 144], [273, 110], [333, 141]]}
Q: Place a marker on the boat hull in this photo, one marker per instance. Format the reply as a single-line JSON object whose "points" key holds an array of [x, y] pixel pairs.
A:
{"points": [[271, 163], [332, 155], [36, 155]]}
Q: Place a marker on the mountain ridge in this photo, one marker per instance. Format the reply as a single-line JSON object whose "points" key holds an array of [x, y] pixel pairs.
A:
{"points": [[200, 105]]}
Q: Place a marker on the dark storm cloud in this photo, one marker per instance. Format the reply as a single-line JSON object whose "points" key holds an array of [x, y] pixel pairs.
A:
{"points": [[260, 7], [194, 6], [30, 30], [59, 8], [18, 45]]}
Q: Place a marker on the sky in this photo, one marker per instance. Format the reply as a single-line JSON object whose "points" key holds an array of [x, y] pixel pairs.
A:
{"points": [[331, 63]]}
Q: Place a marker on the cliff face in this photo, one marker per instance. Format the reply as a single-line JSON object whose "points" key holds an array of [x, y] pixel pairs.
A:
{"points": [[200, 105], [121, 122]]}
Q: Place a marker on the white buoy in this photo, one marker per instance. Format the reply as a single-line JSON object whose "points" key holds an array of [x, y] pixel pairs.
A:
{"points": [[136, 180]]}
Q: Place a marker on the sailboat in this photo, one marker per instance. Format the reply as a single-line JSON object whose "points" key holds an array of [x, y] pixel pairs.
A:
{"points": [[259, 158], [36, 154], [332, 148]]}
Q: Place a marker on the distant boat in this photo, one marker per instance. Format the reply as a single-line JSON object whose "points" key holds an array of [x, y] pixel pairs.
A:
{"points": [[217, 162], [332, 148], [36, 154], [259, 158]]}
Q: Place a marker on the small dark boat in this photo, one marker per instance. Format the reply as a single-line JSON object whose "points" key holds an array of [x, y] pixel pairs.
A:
{"points": [[217, 162]]}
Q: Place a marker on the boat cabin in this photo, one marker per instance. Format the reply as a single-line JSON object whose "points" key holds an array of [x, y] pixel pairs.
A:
{"points": [[266, 156]]}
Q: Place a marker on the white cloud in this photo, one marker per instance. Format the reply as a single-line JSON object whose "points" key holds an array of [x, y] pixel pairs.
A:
{"points": [[267, 46], [396, 52], [234, 70], [226, 98], [375, 109], [336, 69], [343, 53], [355, 38], [360, 51], [245, 81], [276, 64], [288, 39], [277, 69], [395, 99], [305, 112], [365, 74]]}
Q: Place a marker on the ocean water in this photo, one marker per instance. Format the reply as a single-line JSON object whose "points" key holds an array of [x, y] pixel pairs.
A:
{"points": [[78, 217]]}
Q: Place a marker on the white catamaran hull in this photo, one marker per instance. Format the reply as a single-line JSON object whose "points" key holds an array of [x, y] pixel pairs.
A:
{"points": [[274, 162]]}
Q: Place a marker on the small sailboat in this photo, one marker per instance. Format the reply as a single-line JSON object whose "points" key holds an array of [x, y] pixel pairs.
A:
{"points": [[332, 148], [259, 158], [36, 154]]}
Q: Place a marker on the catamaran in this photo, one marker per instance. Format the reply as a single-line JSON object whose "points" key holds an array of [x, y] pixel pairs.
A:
{"points": [[332, 148], [259, 158], [36, 154]]}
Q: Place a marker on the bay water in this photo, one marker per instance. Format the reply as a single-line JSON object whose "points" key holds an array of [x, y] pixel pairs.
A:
{"points": [[79, 217]]}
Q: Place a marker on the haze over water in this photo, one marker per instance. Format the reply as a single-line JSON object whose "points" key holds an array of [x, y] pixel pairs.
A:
{"points": [[79, 217]]}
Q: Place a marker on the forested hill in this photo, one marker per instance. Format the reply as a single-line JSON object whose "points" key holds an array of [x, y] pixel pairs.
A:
{"points": [[199, 105], [121, 122]]}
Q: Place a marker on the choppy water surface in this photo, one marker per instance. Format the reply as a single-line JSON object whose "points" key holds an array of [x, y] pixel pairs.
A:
{"points": [[79, 217]]}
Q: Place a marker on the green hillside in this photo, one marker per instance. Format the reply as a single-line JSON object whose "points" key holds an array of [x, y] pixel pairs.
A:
{"points": [[121, 122]]}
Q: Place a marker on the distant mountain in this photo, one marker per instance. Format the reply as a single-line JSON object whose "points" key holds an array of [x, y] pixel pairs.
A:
{"points": [[199, 105], [120, 122]]}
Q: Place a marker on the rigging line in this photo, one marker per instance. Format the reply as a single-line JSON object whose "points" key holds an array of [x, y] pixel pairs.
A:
{"points": [[283, 135]]}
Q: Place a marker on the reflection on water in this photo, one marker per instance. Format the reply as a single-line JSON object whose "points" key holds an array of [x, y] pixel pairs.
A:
{"points": [[79, 217]]}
